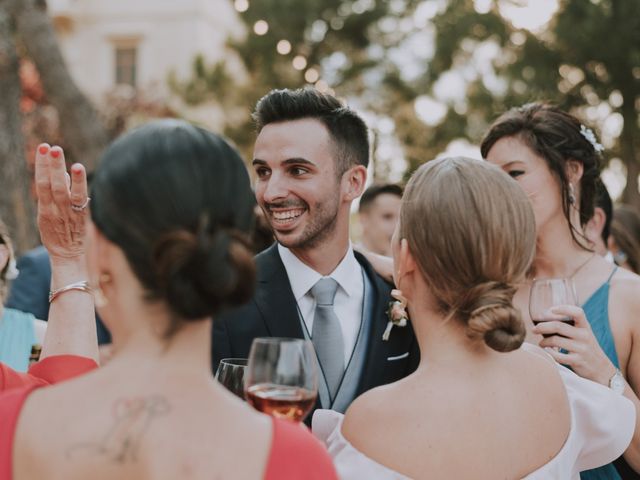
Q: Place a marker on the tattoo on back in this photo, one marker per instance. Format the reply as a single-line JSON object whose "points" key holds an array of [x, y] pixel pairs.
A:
{"points": [[132, 418]]}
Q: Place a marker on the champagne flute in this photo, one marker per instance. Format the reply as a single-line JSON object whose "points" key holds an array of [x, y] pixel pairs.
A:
{"points": [[282, 377], [547, 293], [230, 373]]}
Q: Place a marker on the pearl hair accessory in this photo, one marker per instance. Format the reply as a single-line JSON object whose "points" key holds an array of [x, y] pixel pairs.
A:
{"points": [[591, 138]]}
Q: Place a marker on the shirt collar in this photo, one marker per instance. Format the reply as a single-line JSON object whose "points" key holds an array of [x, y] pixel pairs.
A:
{"points": [[306, 277]]}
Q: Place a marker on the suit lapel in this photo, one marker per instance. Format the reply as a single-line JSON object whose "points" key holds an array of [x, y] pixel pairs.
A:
{"points": [[274, 297], [376, 363]]}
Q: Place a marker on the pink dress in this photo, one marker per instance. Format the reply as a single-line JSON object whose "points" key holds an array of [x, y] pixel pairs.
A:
{"points": [[602, 425]]}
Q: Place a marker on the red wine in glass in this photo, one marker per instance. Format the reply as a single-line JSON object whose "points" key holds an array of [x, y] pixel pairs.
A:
{"points": [[547, 293]]}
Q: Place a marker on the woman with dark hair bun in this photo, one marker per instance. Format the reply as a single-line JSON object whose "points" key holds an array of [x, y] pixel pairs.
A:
{"points": [[556, 161], [167, 249]]}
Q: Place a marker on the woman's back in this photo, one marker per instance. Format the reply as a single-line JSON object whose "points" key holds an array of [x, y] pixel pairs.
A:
{"points": [[144, 426], [504, 416], [138, 426]]}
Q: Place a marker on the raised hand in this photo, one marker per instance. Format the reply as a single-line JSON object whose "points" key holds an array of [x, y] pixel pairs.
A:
{"points": [[62, 203]]}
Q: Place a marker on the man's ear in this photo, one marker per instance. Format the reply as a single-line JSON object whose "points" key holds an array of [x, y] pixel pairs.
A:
{"points": [[353, 182]]}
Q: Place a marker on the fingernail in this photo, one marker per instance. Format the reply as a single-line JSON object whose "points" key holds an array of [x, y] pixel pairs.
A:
{"points": [[43, 149], [55, 153], [76, 168]]}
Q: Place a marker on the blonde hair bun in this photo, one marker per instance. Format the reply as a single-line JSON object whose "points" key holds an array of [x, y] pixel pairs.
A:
{"points": [[493, 317]]}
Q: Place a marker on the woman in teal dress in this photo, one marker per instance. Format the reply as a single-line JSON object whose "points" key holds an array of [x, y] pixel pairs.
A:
{"points": [[19, 331], [556, 160]]}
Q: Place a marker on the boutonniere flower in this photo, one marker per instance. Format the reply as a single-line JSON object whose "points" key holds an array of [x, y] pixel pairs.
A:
{"points": [[397, 313]]}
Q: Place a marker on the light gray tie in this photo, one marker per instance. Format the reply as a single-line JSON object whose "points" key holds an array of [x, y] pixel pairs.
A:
{"points": [[327, 334]]}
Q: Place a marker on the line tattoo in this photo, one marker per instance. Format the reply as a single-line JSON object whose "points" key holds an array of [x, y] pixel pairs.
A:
{"points": [[120, 444]]}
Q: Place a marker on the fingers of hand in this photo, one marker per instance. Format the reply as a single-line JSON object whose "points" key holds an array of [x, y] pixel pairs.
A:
{"points": [[42, 177], [576, 313], [79, 191], [555, 328], [568, 344], [57, 175], [562, 358]]}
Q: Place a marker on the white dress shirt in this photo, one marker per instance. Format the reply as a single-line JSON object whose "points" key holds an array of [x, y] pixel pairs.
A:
{"points": [[349, 297]]}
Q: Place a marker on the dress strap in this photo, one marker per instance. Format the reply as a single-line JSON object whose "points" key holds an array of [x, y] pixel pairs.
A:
{"points": [[613, 272]]}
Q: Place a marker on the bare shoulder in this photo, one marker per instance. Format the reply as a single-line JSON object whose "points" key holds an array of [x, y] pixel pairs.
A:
{"points": [[624, 298], [370, 410], [626, 285], [539, 367]]}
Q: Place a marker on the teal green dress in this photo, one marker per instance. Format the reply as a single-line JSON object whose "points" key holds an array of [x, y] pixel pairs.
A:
{"points": [[596, 309], [17, 336]]}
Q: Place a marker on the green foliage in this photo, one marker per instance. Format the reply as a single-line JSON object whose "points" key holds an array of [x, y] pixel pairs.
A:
{"points": [[590, 49]]}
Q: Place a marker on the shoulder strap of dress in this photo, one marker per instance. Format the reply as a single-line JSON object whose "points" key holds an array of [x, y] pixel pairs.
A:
{"points": [[615, 269]]}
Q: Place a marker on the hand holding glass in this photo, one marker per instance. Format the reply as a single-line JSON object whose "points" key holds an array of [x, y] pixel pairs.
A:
{"points": [[547, 293], [282, 377]]}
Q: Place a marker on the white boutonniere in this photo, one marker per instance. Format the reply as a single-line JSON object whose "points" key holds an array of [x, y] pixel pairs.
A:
{"points": [[397, 313]]}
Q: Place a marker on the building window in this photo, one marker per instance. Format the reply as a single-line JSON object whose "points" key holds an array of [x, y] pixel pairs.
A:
{"points": [[126, 65]]}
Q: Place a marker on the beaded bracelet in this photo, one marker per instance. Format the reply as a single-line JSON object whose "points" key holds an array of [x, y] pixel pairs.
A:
{"points": [[83, 286]]}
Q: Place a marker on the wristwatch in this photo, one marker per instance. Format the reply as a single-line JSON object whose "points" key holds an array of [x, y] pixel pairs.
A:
{"points": [[617, 383]]}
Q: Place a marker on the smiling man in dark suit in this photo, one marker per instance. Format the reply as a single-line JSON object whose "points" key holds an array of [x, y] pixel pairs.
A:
{"points": [[310, 160]]}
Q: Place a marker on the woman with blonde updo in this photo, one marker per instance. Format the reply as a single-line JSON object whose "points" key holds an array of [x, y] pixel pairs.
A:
{"points": [[480, 405]]}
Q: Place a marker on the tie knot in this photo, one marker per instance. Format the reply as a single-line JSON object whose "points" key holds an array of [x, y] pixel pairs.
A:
{"points": [[324, 291]]}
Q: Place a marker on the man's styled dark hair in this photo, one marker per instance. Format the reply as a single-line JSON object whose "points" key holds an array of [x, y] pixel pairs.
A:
{"points": [[374, 191], [603, 201], [346, 129]]}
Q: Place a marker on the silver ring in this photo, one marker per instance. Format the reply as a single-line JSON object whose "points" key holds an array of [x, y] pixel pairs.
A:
{"points": [[79, 208]]}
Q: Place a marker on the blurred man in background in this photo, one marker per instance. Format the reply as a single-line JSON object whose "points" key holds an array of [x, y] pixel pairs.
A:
{"points": [[379, 212]]}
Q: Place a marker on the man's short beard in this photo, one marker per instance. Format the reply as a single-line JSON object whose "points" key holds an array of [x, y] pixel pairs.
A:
{"points": [[314, 234]]}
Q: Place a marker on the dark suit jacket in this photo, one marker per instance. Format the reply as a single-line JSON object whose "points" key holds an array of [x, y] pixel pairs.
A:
{"points": [[273, 313], [30, 291]]}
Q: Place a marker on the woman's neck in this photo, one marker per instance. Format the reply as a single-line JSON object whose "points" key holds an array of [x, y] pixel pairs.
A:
{"points": [[444, 343], [189, 349], [557, 253]]}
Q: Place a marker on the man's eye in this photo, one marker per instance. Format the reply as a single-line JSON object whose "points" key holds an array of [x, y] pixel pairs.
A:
{"points": [[262, 172], [298, 171], [515, 173]]}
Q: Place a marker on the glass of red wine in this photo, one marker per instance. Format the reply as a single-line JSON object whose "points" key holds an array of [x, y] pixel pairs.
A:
{"points": [[547, 293], [282, 377], [231, 373]]}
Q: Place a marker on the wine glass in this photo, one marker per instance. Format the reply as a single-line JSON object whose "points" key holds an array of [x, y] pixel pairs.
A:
{"points": [[547, 293], [282, 377], [230, 373]]}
